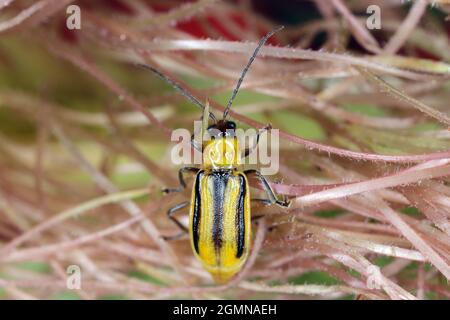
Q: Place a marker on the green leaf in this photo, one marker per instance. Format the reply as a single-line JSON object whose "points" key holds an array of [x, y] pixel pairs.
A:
{"points": [[298, 124], [35, 266], [315, 277], [65, 295]]}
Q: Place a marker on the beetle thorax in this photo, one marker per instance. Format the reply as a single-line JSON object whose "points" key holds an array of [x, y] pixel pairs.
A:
{"points": [[222, 153]]}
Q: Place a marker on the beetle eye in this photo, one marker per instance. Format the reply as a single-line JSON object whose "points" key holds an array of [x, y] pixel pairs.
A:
{"points": [[231, 125]]}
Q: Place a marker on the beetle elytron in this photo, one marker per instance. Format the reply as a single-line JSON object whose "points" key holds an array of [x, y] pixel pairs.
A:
{"points": [[219, 219]]}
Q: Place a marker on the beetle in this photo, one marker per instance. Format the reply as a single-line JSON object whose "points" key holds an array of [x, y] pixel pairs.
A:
{"points": [[219, 215]]}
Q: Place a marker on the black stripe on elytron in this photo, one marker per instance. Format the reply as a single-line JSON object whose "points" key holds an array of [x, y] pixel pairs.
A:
{"points": [[220, 181], [240, 217], [197, 210]]}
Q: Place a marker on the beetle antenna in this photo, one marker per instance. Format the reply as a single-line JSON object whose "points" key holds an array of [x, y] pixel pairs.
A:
{"points": [[178, 87], [247, 67]]}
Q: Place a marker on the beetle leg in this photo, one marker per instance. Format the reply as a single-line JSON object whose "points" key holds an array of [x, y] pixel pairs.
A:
{"points": [[181, 178], [248, 151], [272, 197], [170, 214], [173, 210], [265, 202], [175, 236]]}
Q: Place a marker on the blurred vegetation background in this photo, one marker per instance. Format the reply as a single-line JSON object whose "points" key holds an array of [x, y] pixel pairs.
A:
{"points": [[85, 146]]}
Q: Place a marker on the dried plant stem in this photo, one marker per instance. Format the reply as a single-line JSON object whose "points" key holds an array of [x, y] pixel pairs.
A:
{"points": [[403, 178], [70, 213], [389, 89], [312, 290], [44, 8], [409, 233], [31, 253], [406, 28], [108, 187], [22, 16], [276, 52], [184, 12], [108, 82], [5, 3], [311, 145], [367, 170], [360, 32]]}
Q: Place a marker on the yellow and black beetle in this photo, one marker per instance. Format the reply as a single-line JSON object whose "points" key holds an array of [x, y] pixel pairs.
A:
{"points": [[219, 218]]}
